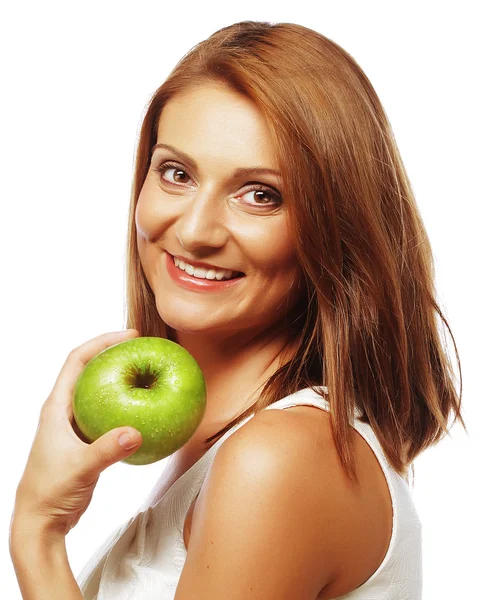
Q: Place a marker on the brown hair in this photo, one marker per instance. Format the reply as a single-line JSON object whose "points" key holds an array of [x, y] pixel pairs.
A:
{"points": [[367, 328]]}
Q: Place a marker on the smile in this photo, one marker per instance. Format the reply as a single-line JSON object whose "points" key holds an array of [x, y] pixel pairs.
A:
{"points": [[192, 278], [205, 273]]}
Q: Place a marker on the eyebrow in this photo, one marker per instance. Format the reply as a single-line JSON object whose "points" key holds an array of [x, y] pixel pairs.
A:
{"points": [[240, 172]]}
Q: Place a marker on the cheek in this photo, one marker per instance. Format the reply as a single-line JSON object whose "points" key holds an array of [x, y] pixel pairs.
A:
{"points": [[146, 218], [149, 226], [272, 252]]}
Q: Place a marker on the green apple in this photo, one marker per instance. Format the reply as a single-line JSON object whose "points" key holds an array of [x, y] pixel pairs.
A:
{"points": [[149, 383]]}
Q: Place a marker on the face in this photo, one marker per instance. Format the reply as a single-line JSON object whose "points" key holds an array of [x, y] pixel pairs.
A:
{"points": [[194, 204]]}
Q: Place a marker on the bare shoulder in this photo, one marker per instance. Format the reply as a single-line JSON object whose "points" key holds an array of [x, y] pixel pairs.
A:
{"points": [[354, 523], [358, 519], [276, 516]]}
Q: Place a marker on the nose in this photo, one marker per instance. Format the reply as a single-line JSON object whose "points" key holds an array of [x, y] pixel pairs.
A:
{"points": [[202, 222]]}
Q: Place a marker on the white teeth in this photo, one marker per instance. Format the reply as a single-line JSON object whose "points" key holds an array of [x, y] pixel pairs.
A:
{"points": [[200, 272], [203, 273]]}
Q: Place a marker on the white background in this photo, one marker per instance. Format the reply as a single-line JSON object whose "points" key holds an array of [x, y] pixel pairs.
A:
{"points": [[76, 79]]}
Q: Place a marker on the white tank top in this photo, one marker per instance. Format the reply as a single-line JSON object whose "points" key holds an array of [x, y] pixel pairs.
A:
{"points": [[144, 557]]}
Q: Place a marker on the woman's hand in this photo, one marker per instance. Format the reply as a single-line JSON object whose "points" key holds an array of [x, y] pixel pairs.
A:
{"points": [[62, 470]]}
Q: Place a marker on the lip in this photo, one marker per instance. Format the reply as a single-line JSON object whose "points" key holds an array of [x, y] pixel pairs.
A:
{"points": [[186, 281]]}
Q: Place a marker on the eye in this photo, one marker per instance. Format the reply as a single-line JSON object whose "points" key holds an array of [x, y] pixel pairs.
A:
{"points": [[263, 195], [258, 191], [167, 166]]}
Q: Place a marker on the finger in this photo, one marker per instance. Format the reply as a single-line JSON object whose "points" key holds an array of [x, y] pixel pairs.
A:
{"points": [[77, 361], [109, 449]]}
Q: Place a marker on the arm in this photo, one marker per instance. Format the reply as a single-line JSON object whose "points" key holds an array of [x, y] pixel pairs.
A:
{"points": [[261, 527], [58, 483], [41, 564]]}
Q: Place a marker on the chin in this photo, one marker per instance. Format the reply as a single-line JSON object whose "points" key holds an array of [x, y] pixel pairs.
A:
{"points": [[188, 324]]}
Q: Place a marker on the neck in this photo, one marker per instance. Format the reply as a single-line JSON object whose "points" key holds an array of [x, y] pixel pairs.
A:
{"points": [[234, 368]]}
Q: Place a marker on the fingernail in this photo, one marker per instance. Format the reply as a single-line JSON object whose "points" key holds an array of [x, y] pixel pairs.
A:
{"points": [[127, 441]]}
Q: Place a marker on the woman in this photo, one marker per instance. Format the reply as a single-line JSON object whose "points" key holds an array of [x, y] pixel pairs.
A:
{"points": [[274, 234]]}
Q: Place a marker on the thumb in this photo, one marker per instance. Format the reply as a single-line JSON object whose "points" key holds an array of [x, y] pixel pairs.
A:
{"points": [[112, 447]]}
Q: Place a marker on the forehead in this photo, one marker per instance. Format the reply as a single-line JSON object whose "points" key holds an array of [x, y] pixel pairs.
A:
{"points": [[213, 121]]}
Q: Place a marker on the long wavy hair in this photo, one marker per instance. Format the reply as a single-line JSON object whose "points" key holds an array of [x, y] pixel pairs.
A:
{"points": [[367, 327]]}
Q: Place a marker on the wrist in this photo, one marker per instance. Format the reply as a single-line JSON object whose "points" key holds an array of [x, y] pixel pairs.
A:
{"points": [[41, 563], [33, 531]]}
